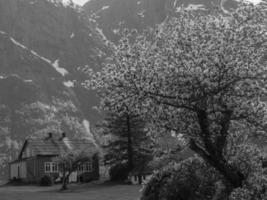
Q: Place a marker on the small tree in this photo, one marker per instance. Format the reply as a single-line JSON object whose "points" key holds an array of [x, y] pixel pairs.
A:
{"points": [[70, 161]]}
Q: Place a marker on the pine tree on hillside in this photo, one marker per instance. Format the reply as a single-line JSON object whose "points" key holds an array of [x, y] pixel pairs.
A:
{"points": [[128, 140]]}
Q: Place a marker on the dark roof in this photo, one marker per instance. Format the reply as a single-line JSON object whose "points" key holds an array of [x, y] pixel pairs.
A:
{"points": [[55, 146]]}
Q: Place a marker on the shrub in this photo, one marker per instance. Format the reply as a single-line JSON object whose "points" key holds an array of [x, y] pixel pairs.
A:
{"points": [[119, 172], [249, 160], [190, 179], [46, 181]]}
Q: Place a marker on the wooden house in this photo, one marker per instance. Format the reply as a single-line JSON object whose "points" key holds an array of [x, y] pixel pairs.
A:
{"points": [[38, 157]]}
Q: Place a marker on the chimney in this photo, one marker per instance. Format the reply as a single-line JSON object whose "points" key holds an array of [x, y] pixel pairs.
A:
{"points": [[63, 135]]}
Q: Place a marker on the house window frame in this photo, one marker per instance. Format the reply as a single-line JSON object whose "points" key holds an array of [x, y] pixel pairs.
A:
{"points": [[86, 167], [51, 167]]}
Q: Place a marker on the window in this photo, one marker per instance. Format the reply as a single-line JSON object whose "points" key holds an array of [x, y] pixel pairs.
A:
{"points": [[54, 167], [86, 167], [51, 167]]}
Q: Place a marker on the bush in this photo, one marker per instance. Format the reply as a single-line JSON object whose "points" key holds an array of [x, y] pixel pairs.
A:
{"points": [[190, 179], [249, 160], [119, 172], [46, 181]]}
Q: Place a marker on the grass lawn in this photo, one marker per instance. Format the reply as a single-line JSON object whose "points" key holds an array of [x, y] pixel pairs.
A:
{"points": [[76, 192]]}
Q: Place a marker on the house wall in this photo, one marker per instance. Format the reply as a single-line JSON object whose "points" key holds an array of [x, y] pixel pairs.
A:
{"points": [[35, 168], [18, 170], [41, 164], [93, 175]]}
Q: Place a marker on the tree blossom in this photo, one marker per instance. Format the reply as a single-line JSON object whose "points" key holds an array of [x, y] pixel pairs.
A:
{"points": [[203, 76]]}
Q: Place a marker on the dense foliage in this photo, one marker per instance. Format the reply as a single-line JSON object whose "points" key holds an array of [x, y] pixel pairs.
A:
{"points": [[249, 160], [201, 76], [195, 180], [190, 179], [46, 181], [119, 172]]}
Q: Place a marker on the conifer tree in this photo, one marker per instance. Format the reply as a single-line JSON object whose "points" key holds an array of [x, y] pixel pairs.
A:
{"points": [[129, 142]]}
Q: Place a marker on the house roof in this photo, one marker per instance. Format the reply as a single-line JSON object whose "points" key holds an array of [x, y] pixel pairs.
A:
{"points": [[55, 146]]}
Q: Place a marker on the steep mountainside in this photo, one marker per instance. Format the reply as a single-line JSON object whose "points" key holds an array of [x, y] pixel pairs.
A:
{"points": [[43, 45], [113, 15]]}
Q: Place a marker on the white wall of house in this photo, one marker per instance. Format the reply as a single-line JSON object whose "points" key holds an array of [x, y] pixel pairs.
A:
{"points": [[73, 177], [134, 179], [18, 170]]}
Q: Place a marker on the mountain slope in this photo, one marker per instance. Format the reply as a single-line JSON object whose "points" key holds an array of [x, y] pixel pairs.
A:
{"points": [[43, 46], [113, 15]]}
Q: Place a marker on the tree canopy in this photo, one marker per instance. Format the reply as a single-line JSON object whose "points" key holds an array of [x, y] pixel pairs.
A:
{"points": [[203, 76], [70, 161]]}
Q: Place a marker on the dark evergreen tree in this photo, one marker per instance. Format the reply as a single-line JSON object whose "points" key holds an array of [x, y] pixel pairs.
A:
{"points": [[128, 141]]}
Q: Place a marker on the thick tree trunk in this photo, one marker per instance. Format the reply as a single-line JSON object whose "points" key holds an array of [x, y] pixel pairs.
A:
{"points": [[130, 145], [231, 175], [212, 152]]}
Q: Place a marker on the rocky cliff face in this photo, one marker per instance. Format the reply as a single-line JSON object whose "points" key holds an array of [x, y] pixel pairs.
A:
{"points": [[43, 46]]}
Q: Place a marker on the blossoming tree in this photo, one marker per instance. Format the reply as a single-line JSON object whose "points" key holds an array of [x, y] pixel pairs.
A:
{"points": [[70, 161], [203, 76]]}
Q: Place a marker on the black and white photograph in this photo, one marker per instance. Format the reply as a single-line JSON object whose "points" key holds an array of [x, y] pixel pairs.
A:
{"points": [[133, 99]]}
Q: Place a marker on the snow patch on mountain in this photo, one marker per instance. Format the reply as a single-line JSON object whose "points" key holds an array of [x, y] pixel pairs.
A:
{"points": [[103, 37], [141, 14], [55, 64], [28, 81], [69, 84], [105, 7], [66, 3], [86, 125], [17, 43], [60, 70], [175, 3], [72, 35], [2, 77], [195, 7], [116, 31]]}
